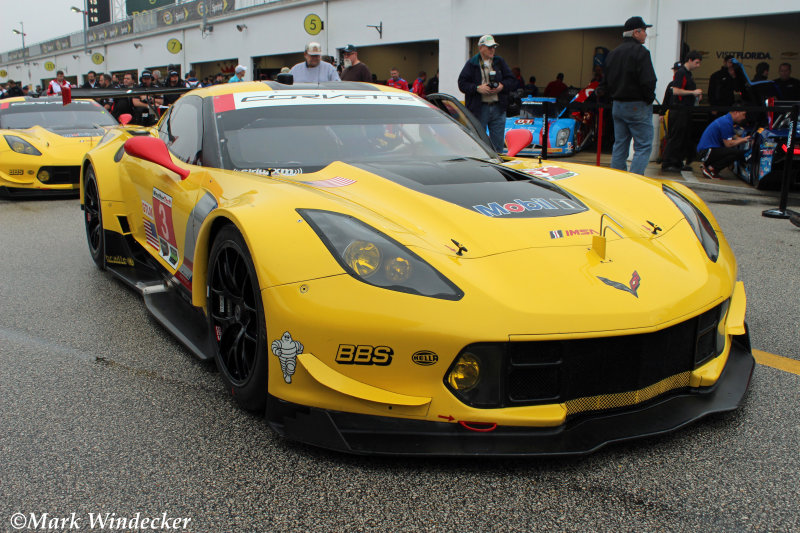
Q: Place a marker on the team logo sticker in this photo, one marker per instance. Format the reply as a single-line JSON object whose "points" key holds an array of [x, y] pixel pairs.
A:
{"points": [[287, 349], [561, 233], [425, 358], [364, 354], [550, 173], [633, 284]]}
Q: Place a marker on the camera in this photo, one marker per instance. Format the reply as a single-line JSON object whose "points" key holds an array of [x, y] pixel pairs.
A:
{"points": [[493, 80]]}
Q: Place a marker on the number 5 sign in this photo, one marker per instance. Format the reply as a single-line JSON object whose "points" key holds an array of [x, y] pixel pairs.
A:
{"points": [[312, 24]]}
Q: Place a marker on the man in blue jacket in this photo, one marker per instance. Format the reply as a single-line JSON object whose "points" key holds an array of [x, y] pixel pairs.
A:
{"points": [[486, 81]]}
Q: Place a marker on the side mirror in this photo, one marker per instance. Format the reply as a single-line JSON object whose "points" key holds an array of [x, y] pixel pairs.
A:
{"points": [[516, 140], [285, 78], [125, 118], [154, 150]]}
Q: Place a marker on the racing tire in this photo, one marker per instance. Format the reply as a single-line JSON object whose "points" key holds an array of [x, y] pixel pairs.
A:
{"points": [[93, 219], [236, 320]]}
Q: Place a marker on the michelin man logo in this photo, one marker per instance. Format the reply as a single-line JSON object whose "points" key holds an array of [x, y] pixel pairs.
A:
{"points": [[287, 349]]}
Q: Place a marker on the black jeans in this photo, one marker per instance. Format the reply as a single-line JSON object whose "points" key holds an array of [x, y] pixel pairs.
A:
{"points": [[719, 158], [678, 141]]}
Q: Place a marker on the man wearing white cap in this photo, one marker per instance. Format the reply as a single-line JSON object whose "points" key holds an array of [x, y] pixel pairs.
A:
{"points": [[239, 74], [485, 81], [313, 70]]}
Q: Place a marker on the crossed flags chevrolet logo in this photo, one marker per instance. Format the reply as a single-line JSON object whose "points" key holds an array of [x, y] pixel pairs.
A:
{"points": [[633, 284]]}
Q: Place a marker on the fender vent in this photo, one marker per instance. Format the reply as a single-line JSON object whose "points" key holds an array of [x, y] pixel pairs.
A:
{"points": [[123, 223]]}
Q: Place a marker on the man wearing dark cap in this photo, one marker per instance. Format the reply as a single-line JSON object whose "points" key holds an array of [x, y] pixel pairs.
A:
{"points": [[144, 106], [174, 81], [631, 82], [354, 70], [724, 84]]}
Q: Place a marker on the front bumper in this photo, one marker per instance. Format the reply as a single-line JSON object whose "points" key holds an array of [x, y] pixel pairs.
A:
{"points": [[378, 435]]}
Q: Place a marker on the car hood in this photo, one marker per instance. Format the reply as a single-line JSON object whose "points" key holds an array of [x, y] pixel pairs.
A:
{"points": [[494, 209], [47, 138]]}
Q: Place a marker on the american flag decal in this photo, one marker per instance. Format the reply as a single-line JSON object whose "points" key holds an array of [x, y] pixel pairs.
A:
{"points": [[332, 182], [150, 234]]}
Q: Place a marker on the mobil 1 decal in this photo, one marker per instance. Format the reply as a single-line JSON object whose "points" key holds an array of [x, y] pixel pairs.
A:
{"points": [[162, 212]]}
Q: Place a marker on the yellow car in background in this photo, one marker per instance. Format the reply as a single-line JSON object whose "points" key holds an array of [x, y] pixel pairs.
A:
{"points": [[42, 143], [369, 274]]}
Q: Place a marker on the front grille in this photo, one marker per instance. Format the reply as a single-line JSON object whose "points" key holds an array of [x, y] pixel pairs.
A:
{"points": [[596, 373], [63, 175]]}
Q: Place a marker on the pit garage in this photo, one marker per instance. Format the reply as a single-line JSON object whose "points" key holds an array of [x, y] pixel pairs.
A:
{"points": [[408, 58]]}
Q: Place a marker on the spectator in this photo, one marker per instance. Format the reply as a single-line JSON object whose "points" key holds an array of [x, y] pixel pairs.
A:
{"points": [[157, 78], [191, 80], [104, 82], [556, 87], [13, 90], [485, 81], [530, 88], [239, 73], [631, 83], [313, 69], [762, 72], [395, 80], [219, 79], [517, 73], [684, 95], [125, 104], [725, 84], [173, 82], [91, 80], [432, 87], [788, 86], [144, 106], [114, 80], [57, 84], [354, 70], [717, 146], [418, 87]]}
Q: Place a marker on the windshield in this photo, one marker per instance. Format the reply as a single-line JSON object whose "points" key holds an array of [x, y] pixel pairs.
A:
{"points": [[54, 115], [309, 137], [536, 109]]}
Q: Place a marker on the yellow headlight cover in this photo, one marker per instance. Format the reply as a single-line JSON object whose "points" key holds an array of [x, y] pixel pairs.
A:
{"points": [[363, 257]]}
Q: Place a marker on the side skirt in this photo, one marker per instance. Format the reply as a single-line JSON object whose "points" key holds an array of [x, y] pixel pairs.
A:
{"points": [[163, 295]]}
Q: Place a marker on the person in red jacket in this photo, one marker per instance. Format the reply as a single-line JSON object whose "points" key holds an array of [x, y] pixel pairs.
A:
{"points": [[396, 81], [57, 84], [419, 84]]}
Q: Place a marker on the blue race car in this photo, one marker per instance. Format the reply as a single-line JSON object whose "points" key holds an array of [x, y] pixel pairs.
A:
{"points": [[765, 156], [568, 131]]}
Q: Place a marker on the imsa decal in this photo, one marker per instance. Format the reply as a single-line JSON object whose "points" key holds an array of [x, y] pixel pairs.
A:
{"points": [[364, 354]]}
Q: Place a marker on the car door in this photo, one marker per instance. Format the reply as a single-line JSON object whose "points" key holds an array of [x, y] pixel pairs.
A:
{"points": [[456, 110], [167, 200]]}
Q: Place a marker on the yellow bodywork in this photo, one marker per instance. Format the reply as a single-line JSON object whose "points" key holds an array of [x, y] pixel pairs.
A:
{"points": [[519, 284], [25, 171]]}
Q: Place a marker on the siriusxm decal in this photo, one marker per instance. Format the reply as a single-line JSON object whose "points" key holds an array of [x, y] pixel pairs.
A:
{"points": [[496, 209]]}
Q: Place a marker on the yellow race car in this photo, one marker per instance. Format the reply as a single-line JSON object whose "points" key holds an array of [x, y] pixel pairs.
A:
{"points": [[367, 272], [43, 143]]}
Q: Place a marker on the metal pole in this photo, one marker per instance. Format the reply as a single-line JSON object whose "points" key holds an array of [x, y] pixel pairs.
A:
{"points": [[546, 132], [85, 17], [782, 212]]}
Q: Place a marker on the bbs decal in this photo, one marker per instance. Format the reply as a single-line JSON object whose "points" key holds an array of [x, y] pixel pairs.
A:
{"points": [[364, 354]]}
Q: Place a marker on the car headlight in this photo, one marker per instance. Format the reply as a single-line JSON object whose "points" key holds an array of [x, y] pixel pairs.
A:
{"points": [[698, 221], [376, 259], [562, 137], [21, 146], [475, 375]]}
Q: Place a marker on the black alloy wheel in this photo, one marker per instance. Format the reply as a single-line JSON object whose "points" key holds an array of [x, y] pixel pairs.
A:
{"points": [[93, 219], [236, 320]]}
